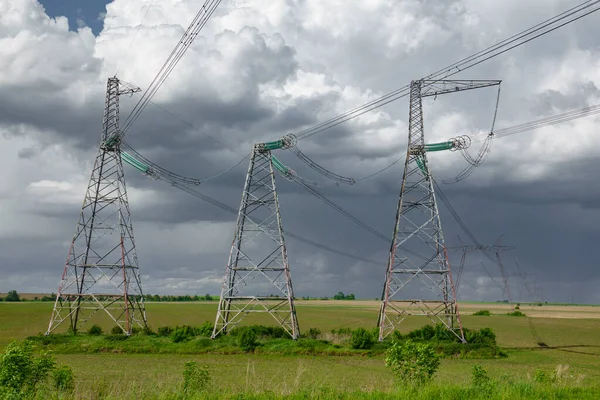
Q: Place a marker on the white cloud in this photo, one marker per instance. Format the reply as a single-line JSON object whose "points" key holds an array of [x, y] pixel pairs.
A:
{"points": [[256, 67]]}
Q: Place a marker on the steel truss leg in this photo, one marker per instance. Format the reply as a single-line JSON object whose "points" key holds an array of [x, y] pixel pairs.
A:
{"points": [[418, 286], [258, 261]]}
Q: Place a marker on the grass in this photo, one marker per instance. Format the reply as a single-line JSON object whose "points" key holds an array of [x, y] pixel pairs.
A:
{"points": [[571, 341]]}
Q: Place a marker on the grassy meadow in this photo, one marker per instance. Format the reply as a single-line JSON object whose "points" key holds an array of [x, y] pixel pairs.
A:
{"points": [[569, 335]]}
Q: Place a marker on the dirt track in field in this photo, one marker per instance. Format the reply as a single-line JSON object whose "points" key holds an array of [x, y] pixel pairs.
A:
{"points": [[544, 311]]}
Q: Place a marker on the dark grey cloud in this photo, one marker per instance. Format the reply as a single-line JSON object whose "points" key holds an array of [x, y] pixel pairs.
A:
{"points": [[550, 218]]}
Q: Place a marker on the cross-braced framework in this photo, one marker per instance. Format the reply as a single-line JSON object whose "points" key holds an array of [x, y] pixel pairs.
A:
{"points": [[428, 280], [258, 260], [101, 272]]}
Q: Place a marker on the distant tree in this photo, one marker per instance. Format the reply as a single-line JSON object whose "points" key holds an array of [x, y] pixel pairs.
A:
{"points": [[207, 297], [12, 296], [339, 296], [350, 297]]}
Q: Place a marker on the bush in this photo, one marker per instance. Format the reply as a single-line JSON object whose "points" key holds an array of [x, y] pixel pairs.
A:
{"points": [[313, 333], [116, 330], [95, 330], [361, 339], [21, 371], [195, 379], [413, 363], [206, 329], [12, 296], [164, 330], [479, 376], [63, 378], [247, 340], [482, 336], [485, 313], [516, 313]]}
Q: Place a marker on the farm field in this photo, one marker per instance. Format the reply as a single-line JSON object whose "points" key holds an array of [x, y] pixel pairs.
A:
{"points": [[570, 332]]}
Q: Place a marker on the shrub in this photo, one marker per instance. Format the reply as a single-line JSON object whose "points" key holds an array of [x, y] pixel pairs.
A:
{"points": [[116, 330], [313, 333], [485, 313], [247, 340], [20, 370], [482, 336], [135, 330], [361, 339], [164, 330], [413, 363], [195, 379], [95, 330], [206, 329], [63, 378], [479, 376], [541, 376], [516, 313]]}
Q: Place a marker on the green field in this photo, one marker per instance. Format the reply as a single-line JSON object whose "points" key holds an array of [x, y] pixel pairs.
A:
{"points": [[571, 334]]}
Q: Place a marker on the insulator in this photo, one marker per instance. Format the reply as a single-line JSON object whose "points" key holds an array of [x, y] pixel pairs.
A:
{"points": [[289, 140]]}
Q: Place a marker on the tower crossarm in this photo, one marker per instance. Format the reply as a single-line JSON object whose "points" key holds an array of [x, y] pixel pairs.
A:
{"points": [[443, 86]]}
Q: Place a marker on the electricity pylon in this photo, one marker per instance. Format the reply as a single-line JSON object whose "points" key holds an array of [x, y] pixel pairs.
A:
{"points": [[258, 254], [419, 229], [101, 272]]}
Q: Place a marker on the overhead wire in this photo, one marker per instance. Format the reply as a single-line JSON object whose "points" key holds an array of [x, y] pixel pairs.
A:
{"points": [[488, 53], [173, 59], [185, 187], [137, 30]]}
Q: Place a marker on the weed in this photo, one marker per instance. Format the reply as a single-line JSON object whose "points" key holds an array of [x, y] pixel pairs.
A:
{"points": [[95, 330], [485, 313], [195, 379], [413, 363]]}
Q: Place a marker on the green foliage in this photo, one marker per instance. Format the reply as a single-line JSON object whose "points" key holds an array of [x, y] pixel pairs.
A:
{"points": [[274, 332], [12, 296], [195, 379], [313, 333], [247, 340], [164, 330], [342, 296], [516, 313], [63, 379], [482, 336], [205, 329], [21, 371], [479, 376], [95, 330], [412, 363], [116, 330], [183, 333], [541, 376], [485, 313], [361, 339]]}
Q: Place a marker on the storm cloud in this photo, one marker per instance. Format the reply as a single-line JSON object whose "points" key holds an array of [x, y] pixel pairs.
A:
{"points": [[259, 71]]}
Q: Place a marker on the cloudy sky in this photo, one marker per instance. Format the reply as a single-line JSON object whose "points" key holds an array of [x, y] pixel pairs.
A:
{"points": [[260, 71]]}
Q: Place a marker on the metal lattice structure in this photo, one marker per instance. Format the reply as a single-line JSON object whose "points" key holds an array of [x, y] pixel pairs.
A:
{"points": [[420, 287], [258, 255], [101, 272]]}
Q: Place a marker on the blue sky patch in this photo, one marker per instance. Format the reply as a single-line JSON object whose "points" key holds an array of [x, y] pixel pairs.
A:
{"points": [[79, 13]]}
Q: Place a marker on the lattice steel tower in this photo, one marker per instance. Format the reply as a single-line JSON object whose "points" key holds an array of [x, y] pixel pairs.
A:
{"points": [[258, 253], [101, 272], [418, 228]]}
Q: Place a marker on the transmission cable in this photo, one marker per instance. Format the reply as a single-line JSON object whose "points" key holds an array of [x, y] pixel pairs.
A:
{"points": [[180, 49], [495, 50], [137, 30], [354, 219], [464, 227]]}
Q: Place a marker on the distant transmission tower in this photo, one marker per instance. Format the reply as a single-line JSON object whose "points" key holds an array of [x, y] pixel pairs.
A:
{"points": [[258, 254], [101, 272], [419, 229]]}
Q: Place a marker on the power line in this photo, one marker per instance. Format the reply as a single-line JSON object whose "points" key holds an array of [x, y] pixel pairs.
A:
{"points": [[499, 48], [137, 30], [182, 46]]}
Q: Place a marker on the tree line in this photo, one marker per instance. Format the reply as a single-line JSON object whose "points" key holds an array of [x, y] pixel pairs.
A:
{"points": [[13, 296]]}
